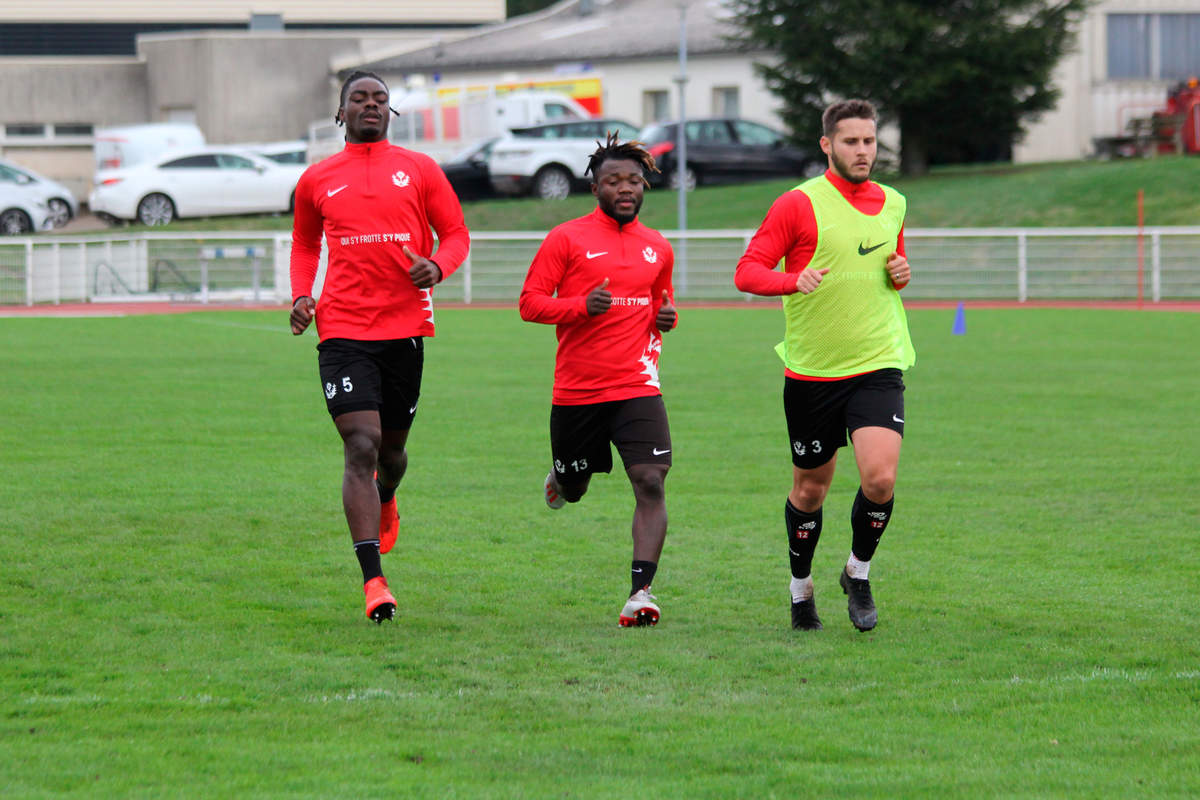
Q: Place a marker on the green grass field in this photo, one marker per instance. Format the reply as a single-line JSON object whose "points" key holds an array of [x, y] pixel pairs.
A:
{"points": [[1069, 194], [181, 611]]}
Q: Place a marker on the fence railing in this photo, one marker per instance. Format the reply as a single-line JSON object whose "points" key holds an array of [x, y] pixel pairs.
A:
{"points": [[1155, 264]]}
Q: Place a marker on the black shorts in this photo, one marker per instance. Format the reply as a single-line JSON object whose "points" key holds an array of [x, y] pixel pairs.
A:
{"points": [[819, 413], [580, 435], [383, 376]]}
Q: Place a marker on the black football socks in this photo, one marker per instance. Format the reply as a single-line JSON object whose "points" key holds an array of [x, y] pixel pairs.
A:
{"points": [[804, 529], [368, 558], [868, 521], [642, 575]]}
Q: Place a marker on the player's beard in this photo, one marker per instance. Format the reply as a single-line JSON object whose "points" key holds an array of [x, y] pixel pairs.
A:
{"points": [[843, 169], [622, 218]]}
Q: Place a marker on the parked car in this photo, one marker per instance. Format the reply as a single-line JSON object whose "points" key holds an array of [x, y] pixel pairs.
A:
{"points": [[548, 161], [468, 170], [195, 183], [21, 212], [58, 198], [727, 150], [292, 151]]}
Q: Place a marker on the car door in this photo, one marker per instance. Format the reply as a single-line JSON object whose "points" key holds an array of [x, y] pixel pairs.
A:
{"points": [[712, 151], [763, 151], [249, 186], [192, 182]]}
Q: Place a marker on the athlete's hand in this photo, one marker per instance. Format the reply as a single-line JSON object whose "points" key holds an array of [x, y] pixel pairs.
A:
{"points": [[599, 299], [898, 271], [809, 279], [303, 311], [424, 273], [667, 315]]}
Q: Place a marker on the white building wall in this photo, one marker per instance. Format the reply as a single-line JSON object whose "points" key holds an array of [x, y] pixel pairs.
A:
{"points": [[1091, 105]]}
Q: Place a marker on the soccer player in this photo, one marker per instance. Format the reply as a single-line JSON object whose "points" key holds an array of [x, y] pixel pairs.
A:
{"points": [[841, 239], [605, 281], [375, 203]]}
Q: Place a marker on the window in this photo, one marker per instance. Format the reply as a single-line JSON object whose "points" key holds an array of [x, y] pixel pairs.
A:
{"points": [[192, 162], [751, 133], [25, 129], [230, 161], [12, 175], [709, 131], [655, 105], [560, 111], [725, 101], [1155, 46], [72, 129]]}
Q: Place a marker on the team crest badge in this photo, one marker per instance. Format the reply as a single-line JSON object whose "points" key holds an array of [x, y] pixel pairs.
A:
{"points": [[650, 256], [401, 178]]}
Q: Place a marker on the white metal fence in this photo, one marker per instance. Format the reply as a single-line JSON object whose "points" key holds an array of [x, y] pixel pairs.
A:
{"points": [[948, 264]]}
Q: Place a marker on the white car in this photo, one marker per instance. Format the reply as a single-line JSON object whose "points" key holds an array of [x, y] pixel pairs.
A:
{"points": [[548, 161], [292, 151], [22, 213], [209, 181], [58, 198]]}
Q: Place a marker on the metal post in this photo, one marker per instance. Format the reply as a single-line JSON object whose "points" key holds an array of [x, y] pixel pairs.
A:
{"points": [[204, 281], [29, 272], [57, 259], [1022, 268], [681, 259], [1156, 267], [466, 273]]}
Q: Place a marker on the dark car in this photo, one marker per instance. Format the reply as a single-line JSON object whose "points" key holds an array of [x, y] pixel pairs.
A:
{"points": [[727, 150], [468, 171]]}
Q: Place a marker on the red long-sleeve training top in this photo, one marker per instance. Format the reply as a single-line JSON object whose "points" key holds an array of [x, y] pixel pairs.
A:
{"points": [[370, 201], [790, 230], [614, 355]]}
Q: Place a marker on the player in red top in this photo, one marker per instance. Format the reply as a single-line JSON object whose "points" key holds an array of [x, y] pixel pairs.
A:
{"points": [[605, 281], [375, 204]]}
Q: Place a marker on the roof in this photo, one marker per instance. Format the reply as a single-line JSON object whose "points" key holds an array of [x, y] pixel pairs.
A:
{"points": [[566, 32]]}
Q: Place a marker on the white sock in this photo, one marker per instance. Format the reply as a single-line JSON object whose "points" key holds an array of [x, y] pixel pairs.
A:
{"points": [[857, 569], [802, 589]]}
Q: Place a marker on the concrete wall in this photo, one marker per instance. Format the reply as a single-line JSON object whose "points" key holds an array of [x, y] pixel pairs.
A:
{"points": [[243, 88], [101, 91]]}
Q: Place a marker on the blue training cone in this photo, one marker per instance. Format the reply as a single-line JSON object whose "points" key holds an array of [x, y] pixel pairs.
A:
{"points": [[960, 322]]}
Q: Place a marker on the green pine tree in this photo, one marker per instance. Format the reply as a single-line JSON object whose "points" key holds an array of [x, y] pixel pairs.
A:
{"points": [[959, 77]]}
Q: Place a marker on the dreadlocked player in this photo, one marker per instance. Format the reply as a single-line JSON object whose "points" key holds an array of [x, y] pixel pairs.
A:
{"points": [[375, 204], [605, 281]]}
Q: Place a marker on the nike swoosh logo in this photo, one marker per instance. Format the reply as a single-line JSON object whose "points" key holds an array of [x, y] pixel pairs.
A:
{"points": [[413, 410], [332, 192], [897, 419], [592, 255], [862, 251], [658, 452], [637, 569]]}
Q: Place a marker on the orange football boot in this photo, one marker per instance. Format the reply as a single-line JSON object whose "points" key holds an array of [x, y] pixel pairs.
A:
{"points": [[380, 603]]}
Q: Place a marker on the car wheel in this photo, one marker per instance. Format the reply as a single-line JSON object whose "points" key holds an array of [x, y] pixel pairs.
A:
{"points": [[691, 178], [552, 183], [14, 222], [155, 209], [60, 212]]}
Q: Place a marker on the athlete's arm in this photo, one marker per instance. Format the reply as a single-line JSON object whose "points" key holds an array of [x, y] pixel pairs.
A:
{"points": [[538, 302], [789, 229], [307, 227], [446, 216]]}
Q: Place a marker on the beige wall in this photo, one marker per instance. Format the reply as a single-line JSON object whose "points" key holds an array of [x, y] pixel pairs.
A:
{"points": [[294, 11], [1091, 105], [102, 91]]}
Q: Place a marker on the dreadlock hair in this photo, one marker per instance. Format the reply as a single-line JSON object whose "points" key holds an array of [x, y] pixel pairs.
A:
{"points": [[358, 73], [613, 150]]}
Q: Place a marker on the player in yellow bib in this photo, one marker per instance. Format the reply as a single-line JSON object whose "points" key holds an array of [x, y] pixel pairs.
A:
{"points": [[840, 239]]}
